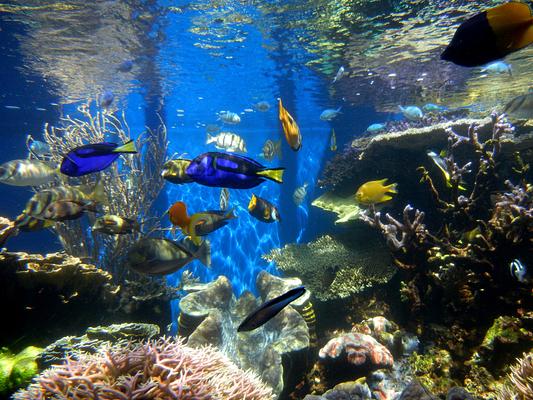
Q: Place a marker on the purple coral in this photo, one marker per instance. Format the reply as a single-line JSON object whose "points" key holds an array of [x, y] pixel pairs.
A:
{"points": [[160, 369], [360, 349]]}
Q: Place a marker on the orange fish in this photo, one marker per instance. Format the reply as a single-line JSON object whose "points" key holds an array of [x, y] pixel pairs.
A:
{"points": [[290, 128], [198, 224]]}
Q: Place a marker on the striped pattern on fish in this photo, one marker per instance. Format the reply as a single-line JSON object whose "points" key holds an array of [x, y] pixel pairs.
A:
{"points": [[228, 141]]}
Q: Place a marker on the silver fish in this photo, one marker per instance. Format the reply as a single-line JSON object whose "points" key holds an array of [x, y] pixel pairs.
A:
{"points": [[271, 149], [339, 75], [299, 194], [518, 270], [520, 107], [229, 117], [162, 256], [27, 173], [224, 199], [227, 141]]}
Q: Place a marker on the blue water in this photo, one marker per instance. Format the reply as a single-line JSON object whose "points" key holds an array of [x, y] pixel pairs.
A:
{"points": [[175, 71]]}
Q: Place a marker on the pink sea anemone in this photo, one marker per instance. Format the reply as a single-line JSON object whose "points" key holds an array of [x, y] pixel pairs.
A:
{"points": [[159, 369]]}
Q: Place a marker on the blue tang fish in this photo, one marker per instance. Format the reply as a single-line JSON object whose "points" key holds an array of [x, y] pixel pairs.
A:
{"points": [[91, 158], [269, 310], [232, 171]]}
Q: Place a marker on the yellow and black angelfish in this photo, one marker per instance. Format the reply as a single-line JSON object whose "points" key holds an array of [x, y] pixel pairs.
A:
{"points": [[491, 35], [263, 210]]}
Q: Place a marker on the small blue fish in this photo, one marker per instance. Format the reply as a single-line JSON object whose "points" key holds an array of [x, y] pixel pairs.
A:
{"points": [[518, 270], [36, 147], [106, 99], [125, 66], [430, 107], [374, 128], [91, 158], [498, 67], [269, 310], [329, 114], [412, 113]]}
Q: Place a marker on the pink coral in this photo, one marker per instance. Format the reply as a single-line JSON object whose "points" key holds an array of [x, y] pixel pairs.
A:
{"points": [[161, 369], [360, 349]]}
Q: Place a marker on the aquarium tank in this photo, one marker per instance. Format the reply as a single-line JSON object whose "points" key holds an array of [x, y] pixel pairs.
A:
{"points": [[266, 199]]}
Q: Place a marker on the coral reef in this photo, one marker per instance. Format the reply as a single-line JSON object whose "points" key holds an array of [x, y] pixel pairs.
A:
{"points": [[357, 349], [211, 314], [330, 269], [432, 369], [58, 294], [17, 370], [95, 339], [156, 369], [345, 207]]}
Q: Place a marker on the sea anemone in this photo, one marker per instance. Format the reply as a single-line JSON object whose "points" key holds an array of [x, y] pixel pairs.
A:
{"points": [[157, 369], [520, 384]]}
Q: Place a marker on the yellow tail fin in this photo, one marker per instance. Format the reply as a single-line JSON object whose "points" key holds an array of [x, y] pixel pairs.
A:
{"points": [[128, 147], [274, 174], [392, 188]]}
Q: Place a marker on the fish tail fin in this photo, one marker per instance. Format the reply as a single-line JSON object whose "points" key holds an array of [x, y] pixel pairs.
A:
{"points": [[392, 188], [128, 147], [512, 23], [385, 198], [274, 174], [203, 254], [98, 194], [230, 214], [210, 139]]}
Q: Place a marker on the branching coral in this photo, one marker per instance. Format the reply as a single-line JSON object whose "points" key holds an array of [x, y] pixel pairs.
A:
{"points": [[399, 236], [162, 369], [131, 185], [330, 270]]}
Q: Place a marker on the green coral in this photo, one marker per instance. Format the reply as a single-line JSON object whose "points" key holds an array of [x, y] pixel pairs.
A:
{"points": [[16, 371], [331, 270], [432, 369], [505, 330]]}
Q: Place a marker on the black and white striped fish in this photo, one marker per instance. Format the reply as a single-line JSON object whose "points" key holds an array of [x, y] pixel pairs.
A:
{"points": [[299, 194], [271, 149], [27, 173], [224, 199], [228, 141]]}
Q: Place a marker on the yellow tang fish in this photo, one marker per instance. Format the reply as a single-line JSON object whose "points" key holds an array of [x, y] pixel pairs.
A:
{"points": [[375, 192], [290, 128]]}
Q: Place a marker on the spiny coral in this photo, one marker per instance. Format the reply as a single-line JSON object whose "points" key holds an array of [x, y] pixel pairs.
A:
{"points": [[330, 270], [162, 369]]}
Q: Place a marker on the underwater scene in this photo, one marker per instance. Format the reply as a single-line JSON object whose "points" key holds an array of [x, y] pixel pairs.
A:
{"points": [[266, 199]]}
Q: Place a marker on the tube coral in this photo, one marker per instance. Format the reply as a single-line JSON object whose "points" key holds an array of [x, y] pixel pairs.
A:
{"points": [[159, 369]]}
